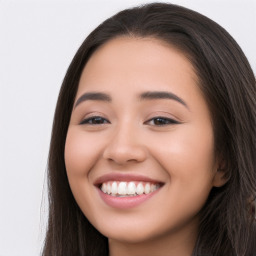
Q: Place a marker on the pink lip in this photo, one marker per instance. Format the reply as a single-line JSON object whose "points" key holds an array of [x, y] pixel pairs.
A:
{"points": [[125, 202], [129, 201], [124, 177]]}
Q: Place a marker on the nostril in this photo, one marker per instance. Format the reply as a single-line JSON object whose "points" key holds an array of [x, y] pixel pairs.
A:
{"points": [[125, 153]]}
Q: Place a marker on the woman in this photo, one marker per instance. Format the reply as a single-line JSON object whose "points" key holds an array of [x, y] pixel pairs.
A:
{"points": [[153, 141]]}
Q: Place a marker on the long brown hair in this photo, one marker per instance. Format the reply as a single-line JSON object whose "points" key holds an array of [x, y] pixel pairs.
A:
{"points": [[228, 85]]}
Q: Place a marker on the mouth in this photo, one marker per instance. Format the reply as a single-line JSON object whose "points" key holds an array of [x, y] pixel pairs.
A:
{"points": [[123, 191], [128, 188]]}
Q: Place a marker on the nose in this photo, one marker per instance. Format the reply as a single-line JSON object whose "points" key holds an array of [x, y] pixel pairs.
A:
{"points": [[124, 146]]}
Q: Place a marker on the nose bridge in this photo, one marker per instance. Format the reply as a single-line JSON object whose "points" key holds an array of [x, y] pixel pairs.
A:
{"points": [[124, 144]]}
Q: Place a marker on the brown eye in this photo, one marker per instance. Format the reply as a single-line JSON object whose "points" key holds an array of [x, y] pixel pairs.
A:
{"points": [[161, 121], [95, 120]]}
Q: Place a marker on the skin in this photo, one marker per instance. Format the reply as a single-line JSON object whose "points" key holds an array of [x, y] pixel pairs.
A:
{"points": [[127, 139]]}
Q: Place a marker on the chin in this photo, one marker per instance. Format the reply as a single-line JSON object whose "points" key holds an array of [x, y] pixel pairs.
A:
{"points": [[131, 238], [130, 233]]}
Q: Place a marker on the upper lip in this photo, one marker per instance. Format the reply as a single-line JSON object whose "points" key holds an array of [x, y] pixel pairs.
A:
{"points": [[124, 177]]}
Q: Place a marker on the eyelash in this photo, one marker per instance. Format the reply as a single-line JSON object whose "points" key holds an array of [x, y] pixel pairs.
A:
{"points": [[162, 121], [95, 120]]}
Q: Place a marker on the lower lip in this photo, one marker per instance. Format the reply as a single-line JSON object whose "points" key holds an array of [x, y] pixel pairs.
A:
{"points": [[126, 202]]}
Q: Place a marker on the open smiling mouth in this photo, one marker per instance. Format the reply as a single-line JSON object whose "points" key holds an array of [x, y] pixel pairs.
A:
{"points": [[128, 189]]}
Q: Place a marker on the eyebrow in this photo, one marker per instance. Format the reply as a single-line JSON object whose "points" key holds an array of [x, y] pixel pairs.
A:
{"points": [[150, 95], [154, 95], [93, 96]]}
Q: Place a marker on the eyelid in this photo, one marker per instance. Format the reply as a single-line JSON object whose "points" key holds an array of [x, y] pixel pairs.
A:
{"points": [[171, 121], [86, 120], [163, 114], [91, 116]]}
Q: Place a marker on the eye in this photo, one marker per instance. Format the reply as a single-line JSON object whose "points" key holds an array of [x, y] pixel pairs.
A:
{"points": [[95, 120], [161, 121]]}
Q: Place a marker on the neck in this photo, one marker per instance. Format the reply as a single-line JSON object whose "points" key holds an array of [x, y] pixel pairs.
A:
{"points": [[181, 243]]}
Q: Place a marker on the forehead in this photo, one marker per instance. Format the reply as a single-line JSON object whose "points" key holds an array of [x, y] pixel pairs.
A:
{"points": [[125, 48], [137, 59]]}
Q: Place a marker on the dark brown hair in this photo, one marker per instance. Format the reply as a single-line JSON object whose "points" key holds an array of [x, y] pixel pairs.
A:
{"points": [[228, 85]]}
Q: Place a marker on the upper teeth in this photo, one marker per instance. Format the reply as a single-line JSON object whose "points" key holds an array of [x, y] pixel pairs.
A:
{"points": [[131, 188]]}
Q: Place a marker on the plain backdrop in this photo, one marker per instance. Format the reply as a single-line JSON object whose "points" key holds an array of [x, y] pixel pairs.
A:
{"points": [[37, 42]]}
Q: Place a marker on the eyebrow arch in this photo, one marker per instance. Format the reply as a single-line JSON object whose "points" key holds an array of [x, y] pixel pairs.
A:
{"points": [[93, 96], [154, 95]]}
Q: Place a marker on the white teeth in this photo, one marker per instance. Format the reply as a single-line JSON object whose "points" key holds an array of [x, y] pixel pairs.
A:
{"points": [[152, 187], [140, 189], [131, 188], [114, 188], [147, 188], [123, 188], [109, 188], [104, 188]]}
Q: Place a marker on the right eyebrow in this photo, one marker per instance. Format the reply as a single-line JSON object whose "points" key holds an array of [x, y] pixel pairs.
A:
{"points": [[93, 96], [154, 95]]}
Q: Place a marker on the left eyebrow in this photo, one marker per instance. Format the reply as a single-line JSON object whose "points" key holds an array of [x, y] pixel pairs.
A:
{"points": [[154, 95], [93, 96]]}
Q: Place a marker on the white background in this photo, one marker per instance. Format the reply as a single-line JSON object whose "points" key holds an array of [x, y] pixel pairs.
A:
{"points": [[37, 42]]}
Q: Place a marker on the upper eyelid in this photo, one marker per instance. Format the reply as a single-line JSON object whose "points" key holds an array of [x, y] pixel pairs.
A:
{"points": [[157, 114], [94, 114], [164, 115], [91, 117], [166, 118]]}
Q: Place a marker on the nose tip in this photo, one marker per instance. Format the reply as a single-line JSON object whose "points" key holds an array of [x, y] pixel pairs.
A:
{"points": [[122, 150]]}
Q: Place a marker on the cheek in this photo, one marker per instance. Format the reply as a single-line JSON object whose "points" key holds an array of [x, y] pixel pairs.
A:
{"points": [[188, 157], [189, 162], [81, 152]]}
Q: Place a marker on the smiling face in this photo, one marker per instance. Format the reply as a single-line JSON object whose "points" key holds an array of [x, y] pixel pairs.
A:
{"points": [[140, 147]]}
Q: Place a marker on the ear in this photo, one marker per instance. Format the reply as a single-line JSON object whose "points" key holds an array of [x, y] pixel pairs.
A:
{"points": [[220, 178]]}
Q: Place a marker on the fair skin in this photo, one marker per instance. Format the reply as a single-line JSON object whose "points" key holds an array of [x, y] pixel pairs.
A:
{"points": [[150, 124]]}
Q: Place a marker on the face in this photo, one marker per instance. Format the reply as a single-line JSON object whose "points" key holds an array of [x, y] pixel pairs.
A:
{"points": [[139, 150]]}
